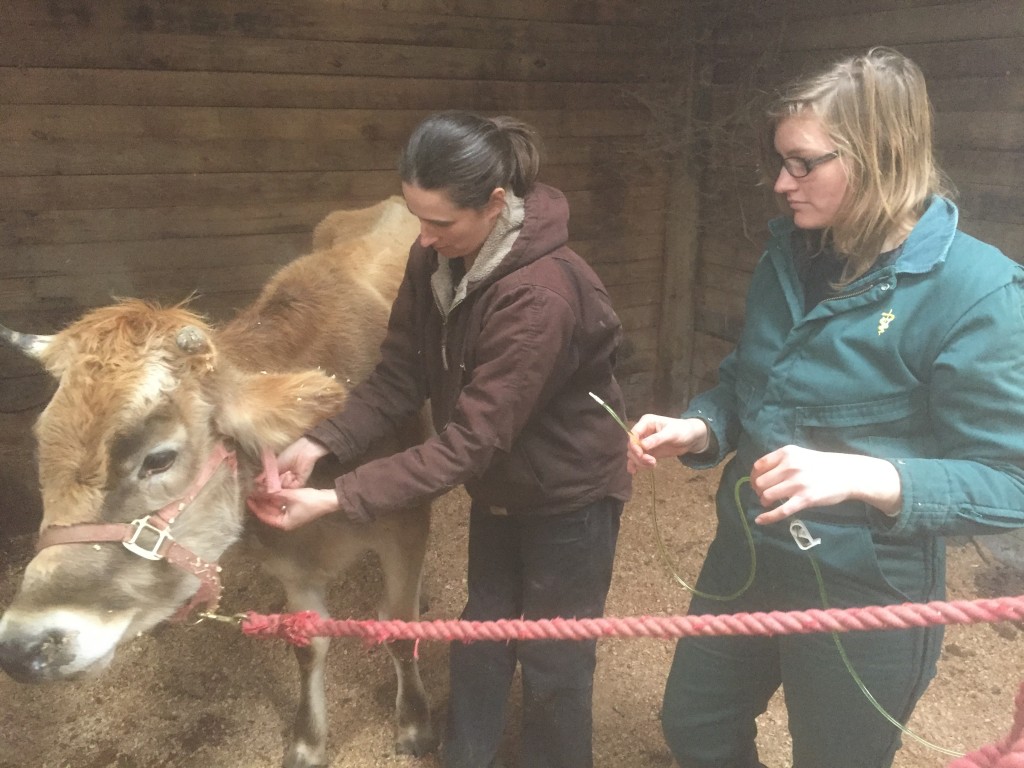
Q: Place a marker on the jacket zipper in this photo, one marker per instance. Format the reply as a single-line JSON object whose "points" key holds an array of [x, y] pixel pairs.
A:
{"points": [[444, 342], [444, 334], [863, 290]]}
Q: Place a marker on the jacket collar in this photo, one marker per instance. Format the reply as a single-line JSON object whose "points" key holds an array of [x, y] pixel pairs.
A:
{"points": [[929, 241], [926, 247]]}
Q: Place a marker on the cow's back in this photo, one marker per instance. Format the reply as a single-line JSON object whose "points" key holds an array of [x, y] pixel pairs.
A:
{"points": [[329, 309]]}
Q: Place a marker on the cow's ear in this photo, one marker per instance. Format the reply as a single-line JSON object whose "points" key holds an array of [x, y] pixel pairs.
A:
{"points": [[273, 409]]}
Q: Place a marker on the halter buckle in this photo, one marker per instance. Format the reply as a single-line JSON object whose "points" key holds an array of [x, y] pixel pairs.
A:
{"points": [[142, 525]]}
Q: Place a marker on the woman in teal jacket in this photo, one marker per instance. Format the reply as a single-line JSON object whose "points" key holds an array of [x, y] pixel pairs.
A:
{"points": [[876, 402]]}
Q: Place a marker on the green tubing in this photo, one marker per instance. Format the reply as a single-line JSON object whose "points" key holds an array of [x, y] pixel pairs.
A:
{"points": [[860, 683], [746, 529]]}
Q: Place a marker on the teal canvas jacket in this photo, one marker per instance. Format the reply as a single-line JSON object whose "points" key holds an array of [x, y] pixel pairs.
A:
{"points": [[920, 363]]}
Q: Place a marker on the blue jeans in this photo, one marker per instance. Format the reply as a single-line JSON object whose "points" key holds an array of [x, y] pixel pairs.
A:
{"points": [[532, 567]]}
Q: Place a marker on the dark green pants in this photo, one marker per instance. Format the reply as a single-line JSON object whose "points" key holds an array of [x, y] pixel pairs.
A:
{"points": [[717, 686]]}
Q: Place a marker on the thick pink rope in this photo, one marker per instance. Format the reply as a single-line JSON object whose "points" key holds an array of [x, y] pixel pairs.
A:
{"points": [[298, 628], [1008, 753]]}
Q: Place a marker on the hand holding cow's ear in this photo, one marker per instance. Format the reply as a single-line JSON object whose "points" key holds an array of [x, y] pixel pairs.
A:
{"points": [[291, 509], [296, 462]]}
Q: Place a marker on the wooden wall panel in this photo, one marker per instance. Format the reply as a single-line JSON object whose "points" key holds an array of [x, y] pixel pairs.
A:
{"points": [[972, 54], [132, 49], [834, 26], [40, 85], [430, 20], [175, 148], [158, 147]]}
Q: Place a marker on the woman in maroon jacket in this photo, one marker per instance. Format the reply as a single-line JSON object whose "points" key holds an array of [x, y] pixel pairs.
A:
{"points": [[505, 331]]}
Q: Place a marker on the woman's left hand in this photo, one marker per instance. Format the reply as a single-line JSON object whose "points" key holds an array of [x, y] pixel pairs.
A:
{"points": [[291, 508], [796, 478]]}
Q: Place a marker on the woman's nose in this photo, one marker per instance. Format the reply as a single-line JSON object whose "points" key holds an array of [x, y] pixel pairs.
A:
{"points": [[427, 238], [784, 182]]}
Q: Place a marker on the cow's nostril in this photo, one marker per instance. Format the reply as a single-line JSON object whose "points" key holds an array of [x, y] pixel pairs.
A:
{"points": [[19, 660], [36, 659], [54, 649]]}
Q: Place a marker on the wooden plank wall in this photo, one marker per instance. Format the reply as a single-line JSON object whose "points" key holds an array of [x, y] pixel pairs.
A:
{"points": [[972, 54], [158, 148]]}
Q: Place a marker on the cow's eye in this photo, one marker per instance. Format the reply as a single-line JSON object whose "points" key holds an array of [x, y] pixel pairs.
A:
{"points": [[157, 462]]}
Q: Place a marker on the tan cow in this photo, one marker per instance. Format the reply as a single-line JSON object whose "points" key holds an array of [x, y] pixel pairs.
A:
{"points": [[161, 419]]}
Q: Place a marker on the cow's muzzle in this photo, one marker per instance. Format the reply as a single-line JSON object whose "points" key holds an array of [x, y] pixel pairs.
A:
{"points": [[37, 659]]}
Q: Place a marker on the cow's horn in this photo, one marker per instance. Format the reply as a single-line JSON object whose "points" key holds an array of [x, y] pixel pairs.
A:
{"points": [[191, 340], [30, 344]]}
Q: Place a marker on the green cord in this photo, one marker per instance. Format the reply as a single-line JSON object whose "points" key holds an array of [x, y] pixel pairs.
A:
{"points": [[860, 683], [746, 530], [657, 530]]}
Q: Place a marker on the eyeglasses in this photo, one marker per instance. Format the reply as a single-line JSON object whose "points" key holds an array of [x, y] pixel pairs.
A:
{"points": [[798, 167]]}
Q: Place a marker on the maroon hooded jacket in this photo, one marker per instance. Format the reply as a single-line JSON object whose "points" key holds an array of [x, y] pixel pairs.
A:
{"points": [[507, 374]]}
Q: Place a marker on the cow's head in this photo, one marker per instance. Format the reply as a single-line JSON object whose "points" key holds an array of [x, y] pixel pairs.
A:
{"points": [[144, 397]]}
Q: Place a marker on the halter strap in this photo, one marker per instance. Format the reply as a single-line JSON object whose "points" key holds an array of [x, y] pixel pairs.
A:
{"points": [[150, 537]]}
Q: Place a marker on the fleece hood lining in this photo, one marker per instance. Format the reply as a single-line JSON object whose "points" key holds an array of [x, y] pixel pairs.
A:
{"points": [[494, 250]]}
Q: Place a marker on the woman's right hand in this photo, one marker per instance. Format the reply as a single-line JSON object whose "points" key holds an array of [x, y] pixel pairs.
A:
{"points": [[296, 462], [658, 437]]}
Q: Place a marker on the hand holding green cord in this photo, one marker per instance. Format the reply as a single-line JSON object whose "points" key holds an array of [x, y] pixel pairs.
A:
{"points": [[632, 435], [657, 531]]}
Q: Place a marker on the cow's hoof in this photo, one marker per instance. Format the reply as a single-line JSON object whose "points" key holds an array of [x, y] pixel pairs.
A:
{"points": [[301, 756], [417, 742]]}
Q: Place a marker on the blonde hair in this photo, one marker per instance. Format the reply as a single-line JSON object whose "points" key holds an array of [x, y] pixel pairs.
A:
{"points": [[875, 108]]}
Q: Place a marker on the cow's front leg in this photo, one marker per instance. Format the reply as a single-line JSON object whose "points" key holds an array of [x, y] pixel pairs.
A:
{"points": [[414, 732], [402, 562], [307, 746]]}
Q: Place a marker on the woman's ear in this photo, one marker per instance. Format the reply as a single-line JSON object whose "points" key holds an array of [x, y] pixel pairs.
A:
{"points": [[496, 203]]}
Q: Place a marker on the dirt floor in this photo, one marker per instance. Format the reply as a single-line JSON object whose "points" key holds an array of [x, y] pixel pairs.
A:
{"points": [[209, 696]]}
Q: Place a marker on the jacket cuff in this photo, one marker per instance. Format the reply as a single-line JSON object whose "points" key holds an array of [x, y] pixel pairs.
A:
{"points": [[713, 454], [927, 500], [333, 440], [346, 506]]}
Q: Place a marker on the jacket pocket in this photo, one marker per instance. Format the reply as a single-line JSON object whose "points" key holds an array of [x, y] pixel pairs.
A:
{"points": [[512, 480], [892, 426], [861, 566]]}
